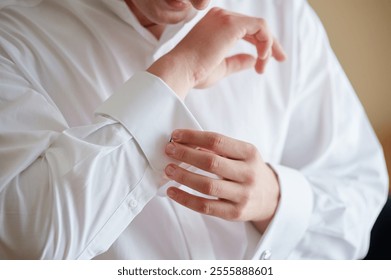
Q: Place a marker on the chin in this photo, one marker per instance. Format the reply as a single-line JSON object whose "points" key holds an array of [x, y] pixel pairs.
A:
{"points": [[173, 17]]}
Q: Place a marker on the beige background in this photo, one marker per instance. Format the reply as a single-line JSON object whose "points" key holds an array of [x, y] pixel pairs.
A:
{"points": [[360, 34]]}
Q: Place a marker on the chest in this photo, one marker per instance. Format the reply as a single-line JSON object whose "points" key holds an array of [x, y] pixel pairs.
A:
{"points": [[79, 71]]}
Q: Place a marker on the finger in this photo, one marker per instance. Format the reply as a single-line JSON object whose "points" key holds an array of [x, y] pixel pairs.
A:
{"points": [[258, 34], [229, 65], [226, 168], [278, 51], [213, 207], [261, 64], [218, 188], [264, 42], [219, 144], [238, 63], [262, 58], [262, 39]]}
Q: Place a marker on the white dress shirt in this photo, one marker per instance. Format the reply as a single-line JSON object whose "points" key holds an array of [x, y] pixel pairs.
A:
{"points": [[83, 129]]}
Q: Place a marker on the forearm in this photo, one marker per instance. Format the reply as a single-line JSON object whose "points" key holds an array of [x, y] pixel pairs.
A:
{"points": [[65, 199], [84, 185]]}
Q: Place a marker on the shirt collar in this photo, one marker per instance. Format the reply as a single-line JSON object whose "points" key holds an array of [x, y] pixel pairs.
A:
{"points": [[120, 8]]}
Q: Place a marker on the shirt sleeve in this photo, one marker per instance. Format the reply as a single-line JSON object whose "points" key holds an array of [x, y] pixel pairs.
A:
{"points": [[69, 192], [332, 173]]}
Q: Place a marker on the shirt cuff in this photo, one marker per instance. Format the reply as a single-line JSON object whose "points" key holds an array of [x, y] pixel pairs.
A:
{"points": [[150, 111], [292, 216]]}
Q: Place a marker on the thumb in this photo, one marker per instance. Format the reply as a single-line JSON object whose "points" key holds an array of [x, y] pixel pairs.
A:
{"points": [[228, 66], [238, 63]]}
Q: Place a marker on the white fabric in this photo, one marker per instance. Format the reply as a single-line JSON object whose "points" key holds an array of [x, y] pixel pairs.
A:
{"points": [[79, 175]]}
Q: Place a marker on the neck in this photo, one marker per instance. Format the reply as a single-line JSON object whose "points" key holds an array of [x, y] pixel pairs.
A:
{"points": [[154, 28]]}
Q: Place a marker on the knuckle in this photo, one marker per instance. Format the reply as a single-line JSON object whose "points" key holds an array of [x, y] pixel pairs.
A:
{"points": [[212, 163], [261, 22], [218, 12], [206, 208], [212, 188], [250, 177], [215, 10], [215, 141], [181, 153], [227, 19], [245, 196], [222, 17], [179, 176], [250, 151], [236, 213], [199, 74]]}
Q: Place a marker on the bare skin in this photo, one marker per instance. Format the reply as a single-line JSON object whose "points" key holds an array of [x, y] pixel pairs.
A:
{"points": [[248, 189]]}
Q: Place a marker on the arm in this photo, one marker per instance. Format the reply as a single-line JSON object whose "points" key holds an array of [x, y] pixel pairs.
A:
{"points": [[67, 193], [332, 177], [203, 61], [346, 167]]}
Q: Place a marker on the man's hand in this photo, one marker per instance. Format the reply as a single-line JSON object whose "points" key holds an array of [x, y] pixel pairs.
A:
{"points": [[248, 189], [200, 59]]}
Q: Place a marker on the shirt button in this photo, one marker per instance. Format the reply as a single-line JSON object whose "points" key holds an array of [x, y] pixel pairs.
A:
{"points": [[266, 255], [133, 203]]}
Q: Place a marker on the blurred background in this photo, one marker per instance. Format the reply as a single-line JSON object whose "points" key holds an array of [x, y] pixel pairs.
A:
{"points": [[360, 34]]}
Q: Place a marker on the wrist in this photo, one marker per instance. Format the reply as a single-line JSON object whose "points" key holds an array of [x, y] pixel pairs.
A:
{"points": [[273, 199], [174, 71]]}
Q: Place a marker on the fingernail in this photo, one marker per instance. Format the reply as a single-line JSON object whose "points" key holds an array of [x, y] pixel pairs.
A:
{"points": [[170, 149], [170, 170], [176, 135], [171, 193]]}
